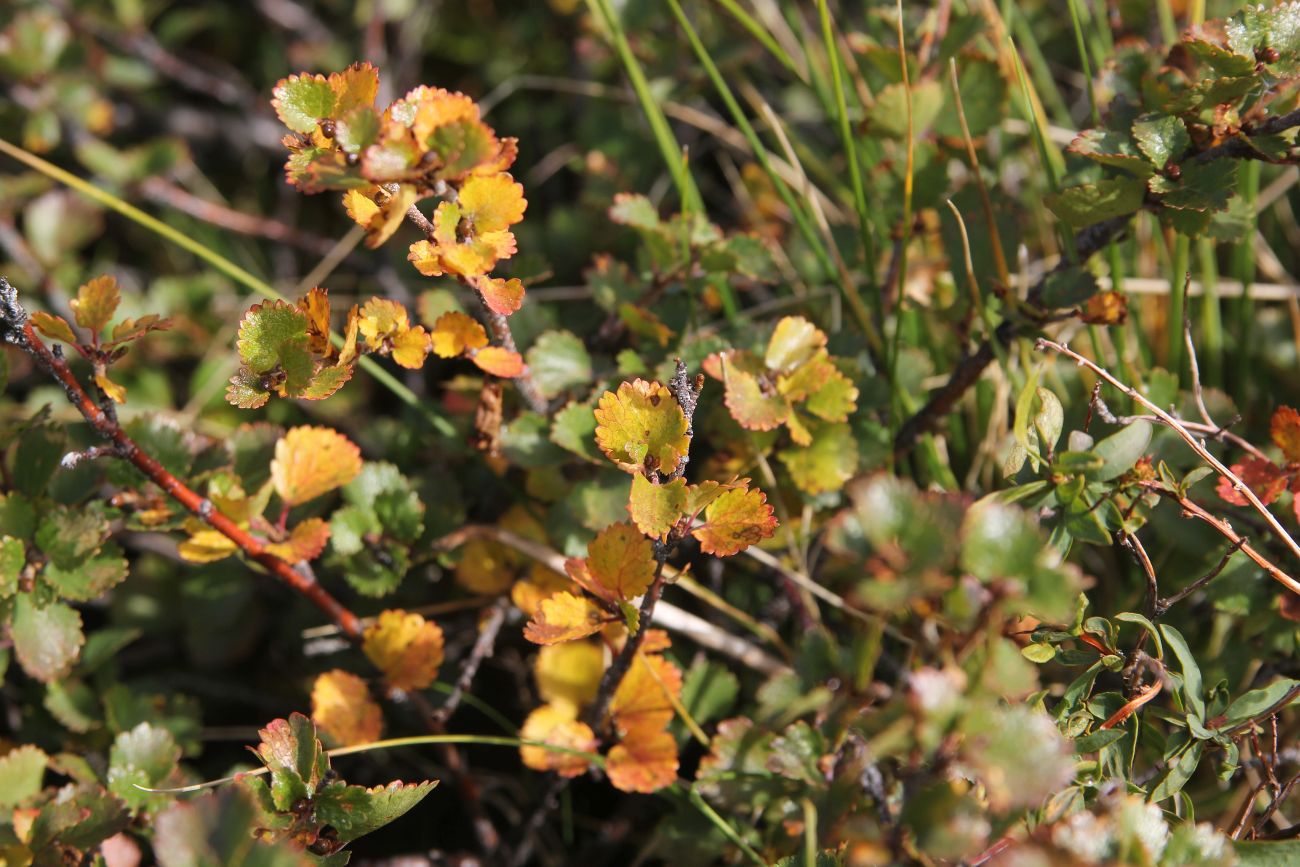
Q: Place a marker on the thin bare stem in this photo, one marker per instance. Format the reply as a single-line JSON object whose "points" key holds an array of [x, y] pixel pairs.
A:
{"points": [[1195, 444], [483, 648]]}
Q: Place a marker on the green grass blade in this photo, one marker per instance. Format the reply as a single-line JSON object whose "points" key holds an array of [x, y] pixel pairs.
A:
{"points": [[851, 155], [672, 152], [221, 263], [759, 32]]}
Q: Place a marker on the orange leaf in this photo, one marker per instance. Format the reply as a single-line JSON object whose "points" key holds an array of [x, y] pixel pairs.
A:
{"points": [[54, 327], [642, 699], [316, 305], [655, 641], [734, 521], [1131, 705], [343, 710], [311, 461], [564, 617], [641, 426], [1286, 432], [305, 542], [556, 726], [96, 302], [499, 361], [620, 564], [407, 648], [455, 332], [647, 763], [501, 296], [655, 508], [750, 405]]}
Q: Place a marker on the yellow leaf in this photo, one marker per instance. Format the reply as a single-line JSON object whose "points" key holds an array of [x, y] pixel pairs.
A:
{"points": [[542, 583], [470, 235], [569, 674], [206, 546], [655, 508], [407, 648], [411, 347], [455, 332], [564, 617], [498, 361], [735, 520], [96, 302], [835, 400], [807, 377], [343, 710], [115, 391], [795, 341], [312, 461], [485, 567], [306, 541], [641, 427], [492, 203], [558, 727], [620, 564], [316, 305], [753, 407], [645, 764], [381, 319]]}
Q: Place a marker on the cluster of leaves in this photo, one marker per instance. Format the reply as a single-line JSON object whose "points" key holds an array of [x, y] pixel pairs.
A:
{"points": [[1213, 91]]}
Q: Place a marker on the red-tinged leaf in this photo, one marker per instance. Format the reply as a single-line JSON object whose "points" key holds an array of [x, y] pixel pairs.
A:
{"points": [[1263, 477], [1286, 432], [564, 617], [134, 329], [734, 521], [645, 764], [312, 461], [326, 382], [501, 296], [54, 327], [557, 726], [305, 542], [499, 361], [407, 648], [620, 564], [96, 302], [1289, 606], [641, 426], [655, 508], [343, 710]]}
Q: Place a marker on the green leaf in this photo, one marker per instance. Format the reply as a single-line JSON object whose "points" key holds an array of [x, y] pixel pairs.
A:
{"points": [[12, 560], [999, 541], [144, 756], [574, 429], [635, 210], [709, 690], [1068, 287], [40, 448], [294, 756], [270, 332], [357, 130], [81, 817], [1112, 148], [559, 361], [382, 491], [1193, 692], [355, 811], [91, 578], [1091, 203], [46, 639], [21, 772], [1122, 449], [826, 464], [1201, 186], [1163, 138], [1094, 741], [17, 516], [68, 536], [301, 100], [1134, 617], [1257, 853], [1180, 771], [1256, 702], [214, 832], [1039, 652]]}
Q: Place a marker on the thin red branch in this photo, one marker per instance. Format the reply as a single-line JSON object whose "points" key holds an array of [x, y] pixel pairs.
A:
{"points": [[18, 331]]}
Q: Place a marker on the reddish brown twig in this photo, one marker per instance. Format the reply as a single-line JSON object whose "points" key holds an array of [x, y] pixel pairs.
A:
{"points": [[17, 330]]}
